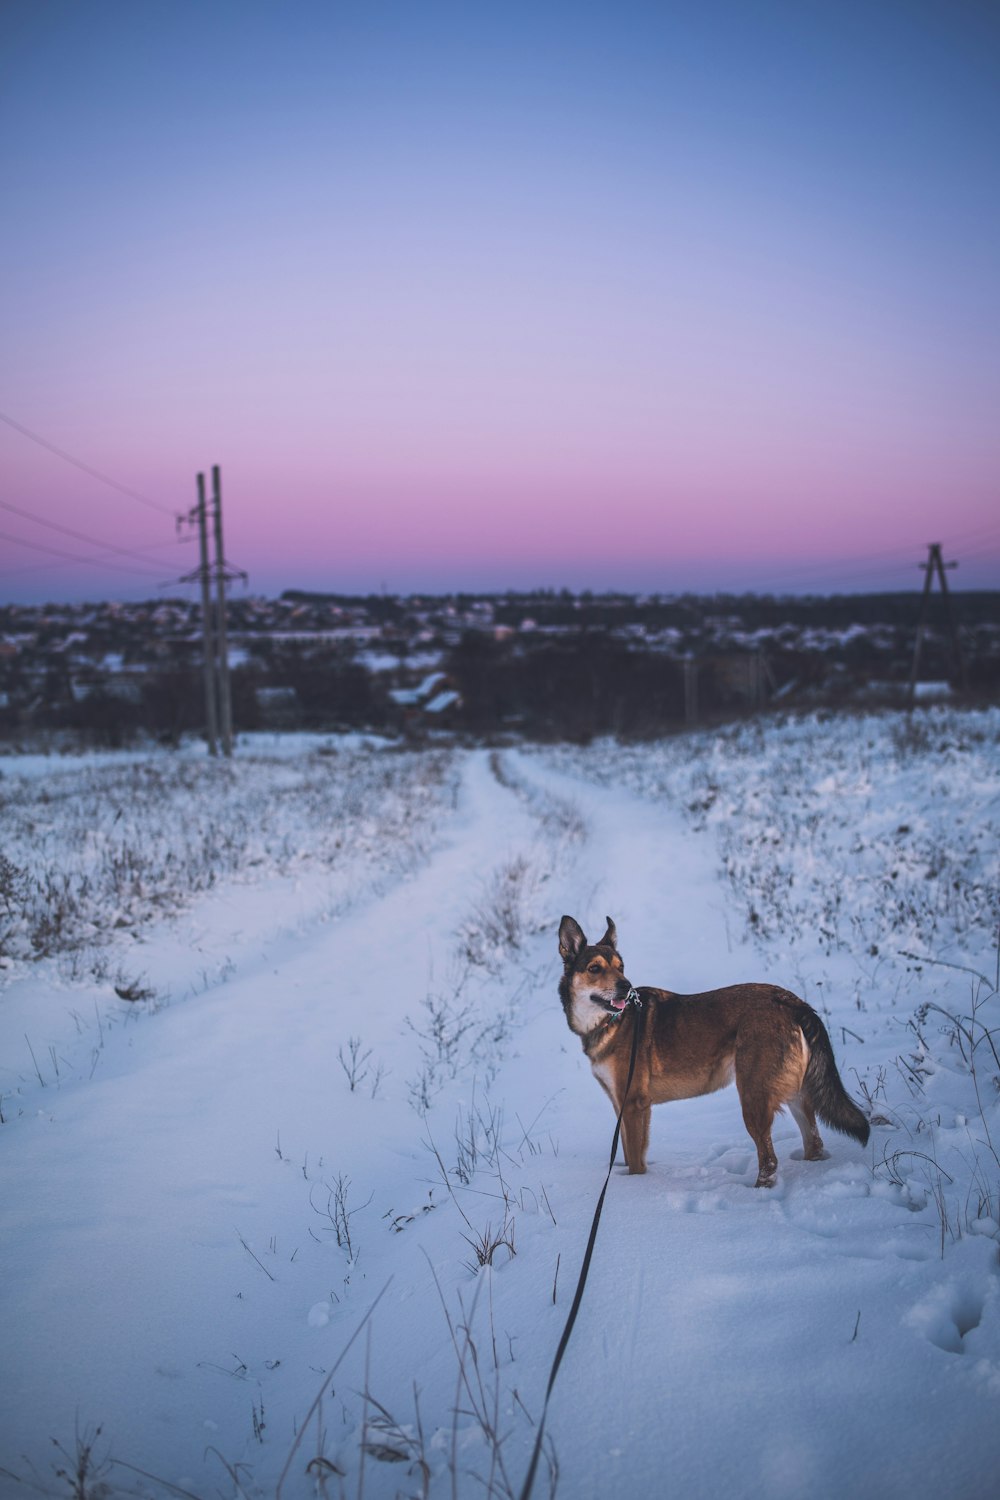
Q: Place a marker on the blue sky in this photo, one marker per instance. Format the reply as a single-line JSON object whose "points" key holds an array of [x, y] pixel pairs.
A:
{"points": [[444, 288]]}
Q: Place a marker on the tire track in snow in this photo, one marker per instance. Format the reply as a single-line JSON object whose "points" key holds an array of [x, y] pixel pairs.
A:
{"points": [[729, 1305], [642, 865], [155, 1197], [687, 1366]]}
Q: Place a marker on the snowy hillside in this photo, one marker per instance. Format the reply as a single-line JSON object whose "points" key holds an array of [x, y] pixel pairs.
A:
{"points": [[298, 1157]]}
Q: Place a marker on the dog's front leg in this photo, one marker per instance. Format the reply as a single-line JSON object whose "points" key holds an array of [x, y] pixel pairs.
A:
{"points": [[635, 1134]]}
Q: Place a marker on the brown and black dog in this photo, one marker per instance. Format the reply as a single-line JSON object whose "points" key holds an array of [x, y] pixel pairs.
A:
{"points": [[771, 1043]]}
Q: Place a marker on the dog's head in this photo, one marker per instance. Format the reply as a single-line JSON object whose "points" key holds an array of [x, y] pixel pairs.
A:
{"points": [[593, 986]]}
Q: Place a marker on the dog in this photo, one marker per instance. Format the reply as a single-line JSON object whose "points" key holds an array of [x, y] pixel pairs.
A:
{"points": [[771, 1043]]}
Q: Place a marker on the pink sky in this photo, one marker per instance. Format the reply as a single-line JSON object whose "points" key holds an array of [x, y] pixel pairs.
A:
{"points": [[637, 302]]}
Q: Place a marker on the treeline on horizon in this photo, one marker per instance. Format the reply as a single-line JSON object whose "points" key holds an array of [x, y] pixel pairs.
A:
{"points": [[561, 607], [576, 686]]}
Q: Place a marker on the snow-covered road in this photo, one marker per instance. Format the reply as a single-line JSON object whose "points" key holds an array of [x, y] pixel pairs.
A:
{"points": [[171, 1219]]}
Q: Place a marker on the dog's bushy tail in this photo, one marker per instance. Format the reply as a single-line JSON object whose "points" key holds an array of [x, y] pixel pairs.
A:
{"points": [[823, 1084]]}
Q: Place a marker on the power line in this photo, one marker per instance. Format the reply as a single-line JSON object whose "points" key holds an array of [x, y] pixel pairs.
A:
{"points": [[70, 531], [869, 565], [827, 577], [980, 534], [77, 463], [889, 560], [978, 552], [69, 557], [45, 567], [97, 562]]}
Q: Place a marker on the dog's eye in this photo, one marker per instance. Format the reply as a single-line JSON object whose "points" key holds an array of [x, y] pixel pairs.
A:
{"points": [[594, 969]]}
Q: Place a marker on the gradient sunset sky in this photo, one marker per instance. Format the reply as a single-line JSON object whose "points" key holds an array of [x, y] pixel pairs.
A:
{"points": [[646, 296]]}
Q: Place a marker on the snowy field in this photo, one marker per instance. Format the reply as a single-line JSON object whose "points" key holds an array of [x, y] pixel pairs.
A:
{"points": [[298, 1157]]}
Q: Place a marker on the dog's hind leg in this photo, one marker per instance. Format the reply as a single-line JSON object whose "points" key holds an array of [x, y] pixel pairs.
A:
{"points": [[805, 1118], [758, 1117], [770, 1065], [758, 1103]]}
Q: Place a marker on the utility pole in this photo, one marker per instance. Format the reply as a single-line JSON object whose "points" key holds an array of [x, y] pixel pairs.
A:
{"points": [[207, 639], [935, 564], [215, 658], [225, 698], [203, 575]]}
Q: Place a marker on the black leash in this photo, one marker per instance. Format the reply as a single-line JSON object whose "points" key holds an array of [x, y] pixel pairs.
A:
{"points": [[581, 1283]]}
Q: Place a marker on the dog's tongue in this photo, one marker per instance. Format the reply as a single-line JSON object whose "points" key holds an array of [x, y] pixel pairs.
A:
{"points": [[618, 1004]]}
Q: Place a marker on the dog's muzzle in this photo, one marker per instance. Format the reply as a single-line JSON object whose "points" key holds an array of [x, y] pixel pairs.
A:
{"points": [[621, 1002]]}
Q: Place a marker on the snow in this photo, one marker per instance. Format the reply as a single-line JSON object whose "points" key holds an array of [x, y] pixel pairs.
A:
{"points": [[442, 701], [408, 697], [386, 661], [200, 1210]]}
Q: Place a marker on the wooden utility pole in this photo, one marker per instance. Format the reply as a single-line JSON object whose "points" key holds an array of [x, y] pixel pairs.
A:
{"points": [[218, 701], [935, 564], [203, 575], [207, 638], [225, 699]]}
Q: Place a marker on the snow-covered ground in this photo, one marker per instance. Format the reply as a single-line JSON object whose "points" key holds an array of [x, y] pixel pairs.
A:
{"points": [[243, 1213]]}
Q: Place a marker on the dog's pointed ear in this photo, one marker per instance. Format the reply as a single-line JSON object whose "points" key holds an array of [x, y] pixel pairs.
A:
{"points": [[610, 938], [571, 939]]}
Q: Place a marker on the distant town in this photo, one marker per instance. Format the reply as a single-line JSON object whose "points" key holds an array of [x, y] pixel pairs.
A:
{"points": [[542, 664]]}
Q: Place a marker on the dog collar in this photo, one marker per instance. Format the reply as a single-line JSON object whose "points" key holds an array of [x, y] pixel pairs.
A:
{"points": [[632, 998]]}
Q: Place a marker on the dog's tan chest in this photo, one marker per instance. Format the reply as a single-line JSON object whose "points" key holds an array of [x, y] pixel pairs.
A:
{"points": [[605, 1075]]}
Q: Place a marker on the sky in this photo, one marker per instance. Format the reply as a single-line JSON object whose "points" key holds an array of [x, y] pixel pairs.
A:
{"points": [[658, 297]]}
